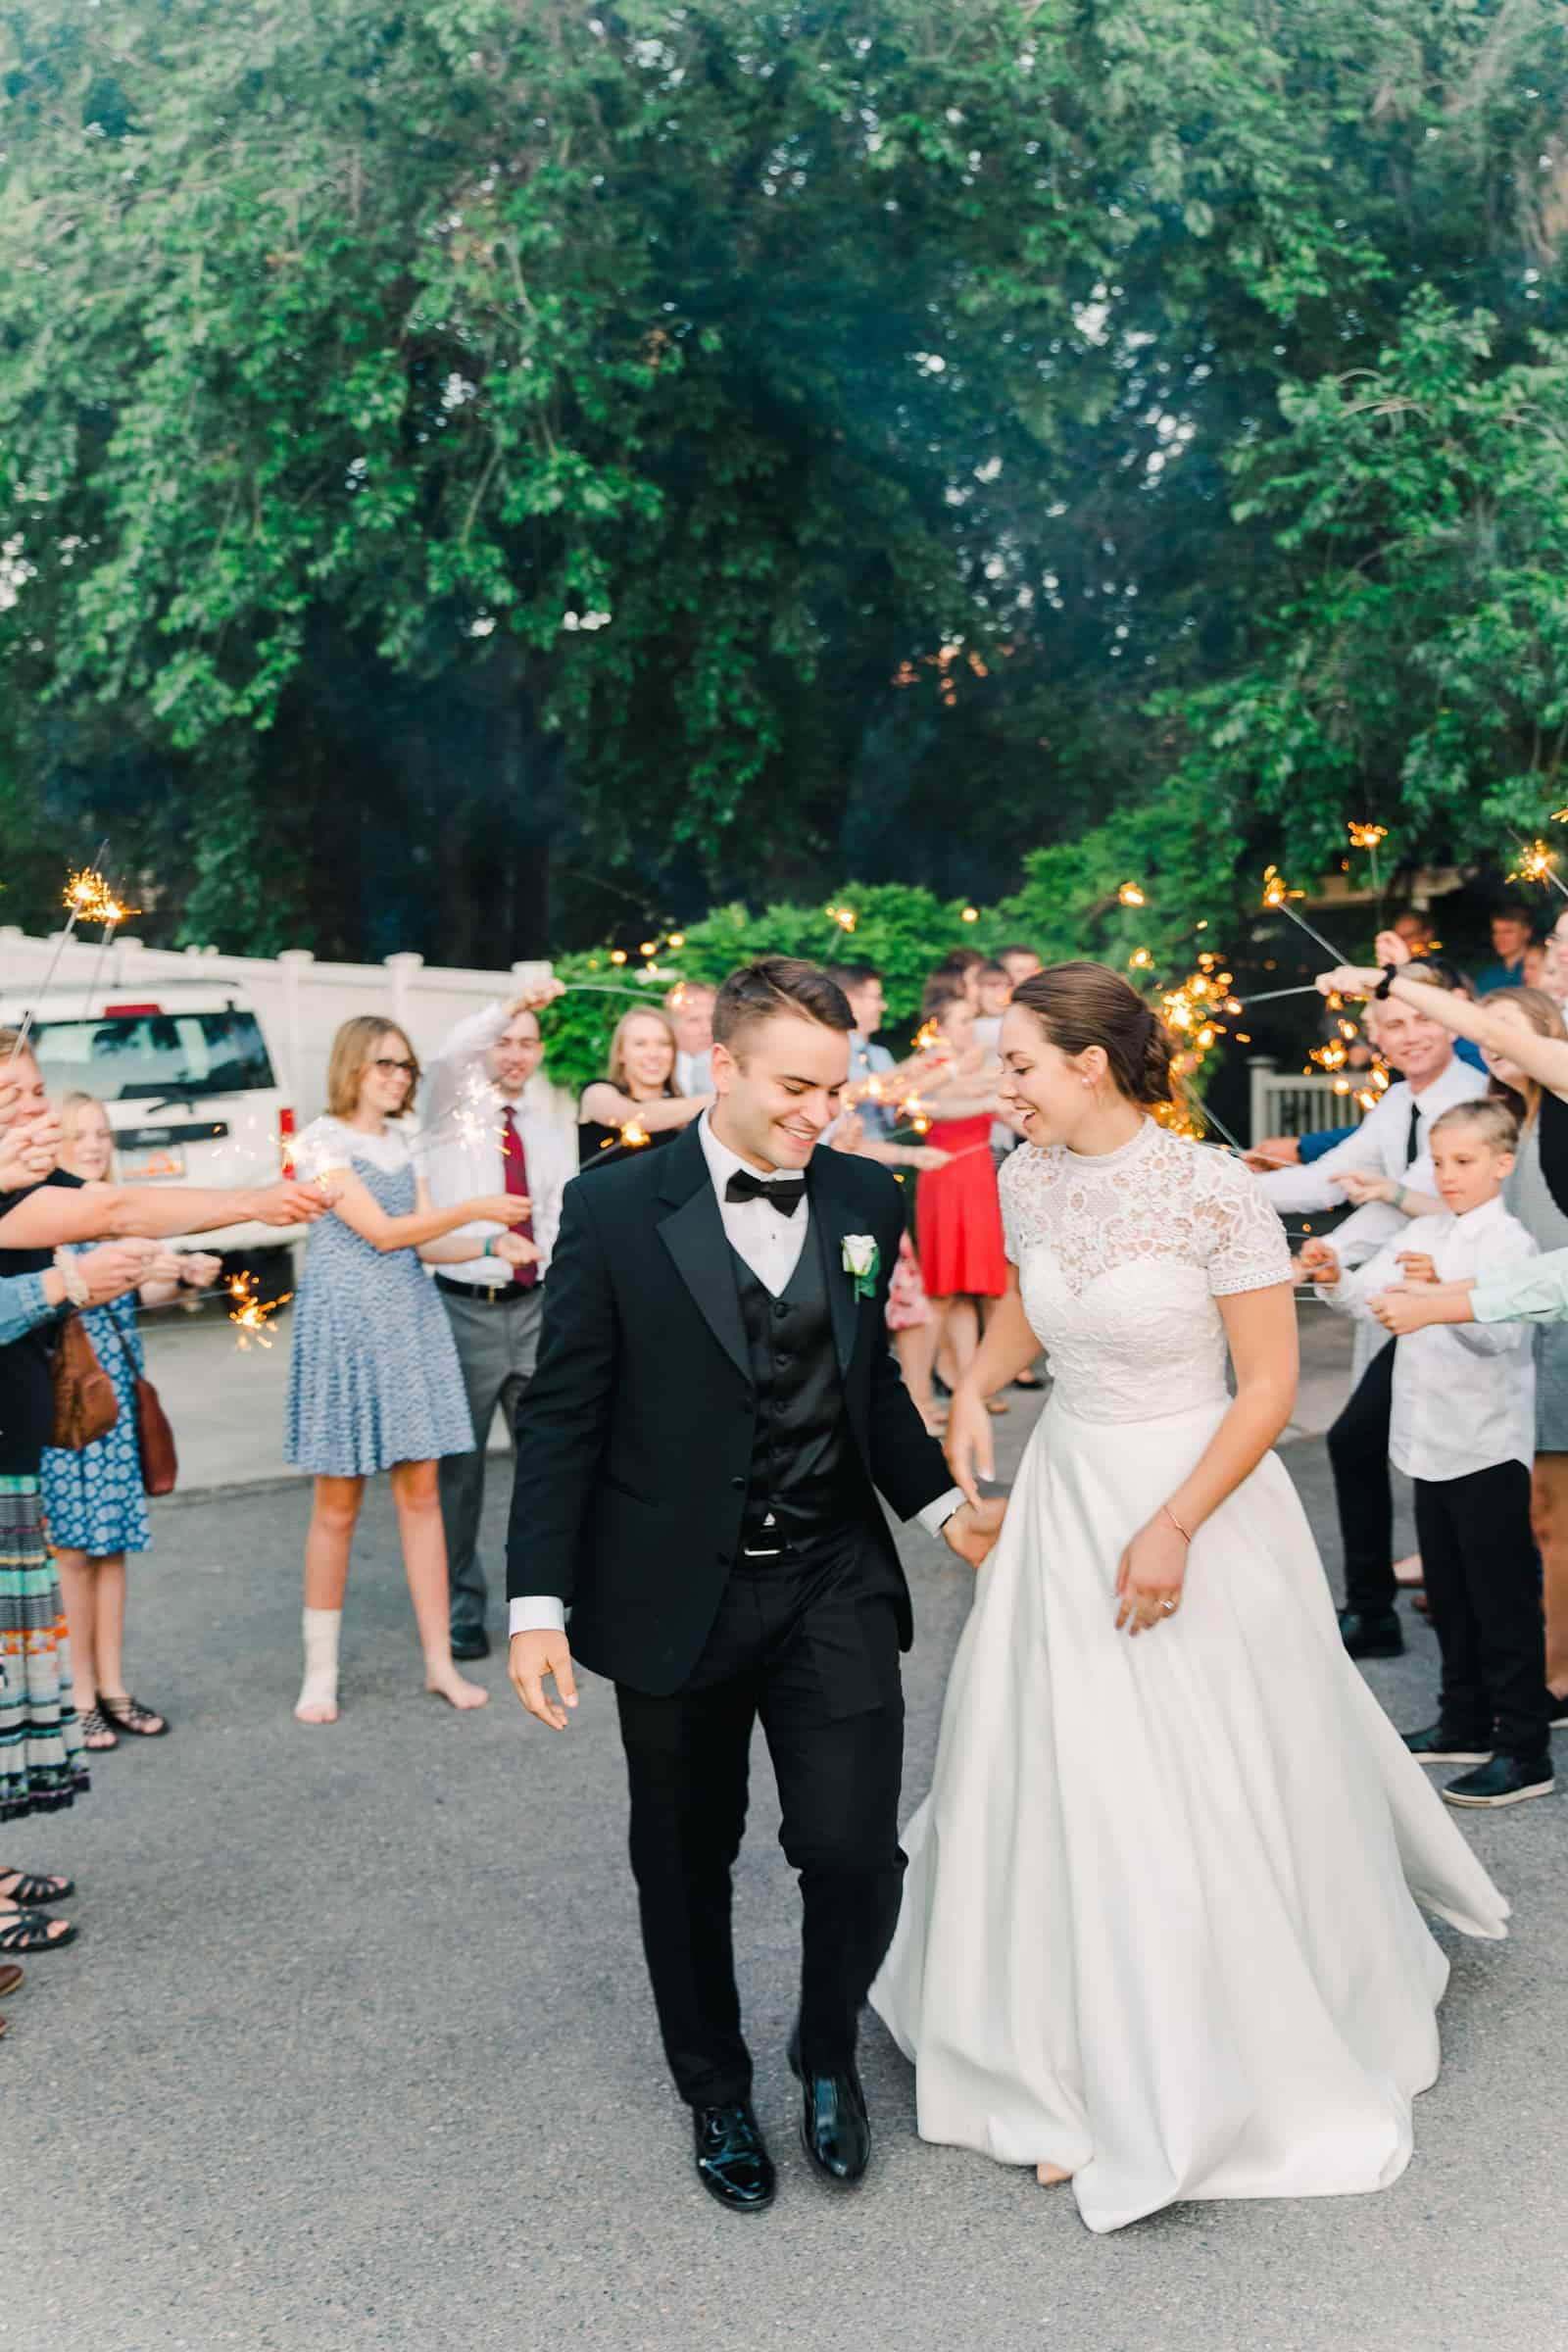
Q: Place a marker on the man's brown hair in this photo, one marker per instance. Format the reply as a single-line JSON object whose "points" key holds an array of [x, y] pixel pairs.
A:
{"points": [[776, 984]]}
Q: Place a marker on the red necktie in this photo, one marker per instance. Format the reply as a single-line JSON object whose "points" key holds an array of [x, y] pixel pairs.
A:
{"points": [[514, 1162]]}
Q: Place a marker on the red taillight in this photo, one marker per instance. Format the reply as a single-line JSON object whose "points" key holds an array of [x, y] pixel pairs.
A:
{"points": [[126, 1013], [285, 1139]]}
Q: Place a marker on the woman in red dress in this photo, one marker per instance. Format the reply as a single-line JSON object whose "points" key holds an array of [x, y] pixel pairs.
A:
{"points": [[958, 1212]]}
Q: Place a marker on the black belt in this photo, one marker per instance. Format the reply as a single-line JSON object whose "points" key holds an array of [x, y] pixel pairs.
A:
{"points": [[493, 1294]]}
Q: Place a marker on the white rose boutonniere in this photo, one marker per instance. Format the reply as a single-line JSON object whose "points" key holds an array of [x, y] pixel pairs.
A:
{"points": [[863, 1258]]}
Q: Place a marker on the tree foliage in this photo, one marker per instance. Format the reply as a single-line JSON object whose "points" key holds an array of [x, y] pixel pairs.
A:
{"points": [[476, 475]]}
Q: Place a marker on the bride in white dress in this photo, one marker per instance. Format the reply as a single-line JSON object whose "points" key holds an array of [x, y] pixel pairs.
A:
{"points": [[1159, 1929]]}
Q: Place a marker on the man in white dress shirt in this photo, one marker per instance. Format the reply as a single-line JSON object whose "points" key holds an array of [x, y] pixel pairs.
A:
{"points": [[690, 1005], [1391, 1144], [479, 1147]]}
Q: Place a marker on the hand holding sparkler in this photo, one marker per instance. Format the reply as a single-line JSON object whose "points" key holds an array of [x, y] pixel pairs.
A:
{"points": [[1418, 1265], [28, 1149], [1402, 1308], [114, 1268], [1359, 1186], [1318, 1262], [535, 997], [287, 1203]]}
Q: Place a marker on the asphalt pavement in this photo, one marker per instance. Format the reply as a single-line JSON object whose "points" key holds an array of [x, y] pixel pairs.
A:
{"points": [[355, 2050]]}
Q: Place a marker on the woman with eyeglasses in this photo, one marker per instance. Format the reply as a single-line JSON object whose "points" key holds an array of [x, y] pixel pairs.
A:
{"points": [[374, 1382]]}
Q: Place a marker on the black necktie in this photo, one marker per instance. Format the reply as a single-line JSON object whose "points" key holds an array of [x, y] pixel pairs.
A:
{"points": [[785, 1193], [1413, 1149]]}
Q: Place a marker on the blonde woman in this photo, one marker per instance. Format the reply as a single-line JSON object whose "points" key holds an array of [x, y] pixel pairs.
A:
{"points": [[374, 1382], [641, 1087], [93, 1501]]}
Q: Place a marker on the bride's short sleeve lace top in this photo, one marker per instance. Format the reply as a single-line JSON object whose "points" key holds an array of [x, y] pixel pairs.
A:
{"points": [[1120, 1258]]}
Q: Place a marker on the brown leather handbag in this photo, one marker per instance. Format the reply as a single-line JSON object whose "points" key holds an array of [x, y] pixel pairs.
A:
{"points": [[85, 1405], [155, 1439]]}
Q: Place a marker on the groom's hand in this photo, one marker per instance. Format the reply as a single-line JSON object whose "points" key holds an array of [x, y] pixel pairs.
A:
{"points": [[974, 1527], [530, 1657]]}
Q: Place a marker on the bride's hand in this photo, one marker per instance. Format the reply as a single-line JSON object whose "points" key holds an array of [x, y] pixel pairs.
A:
{"points": [[1151, 1577], [967, 1443]]}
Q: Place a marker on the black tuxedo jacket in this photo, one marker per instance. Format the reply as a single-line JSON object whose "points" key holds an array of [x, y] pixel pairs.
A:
{"points": [[635, 1434]]}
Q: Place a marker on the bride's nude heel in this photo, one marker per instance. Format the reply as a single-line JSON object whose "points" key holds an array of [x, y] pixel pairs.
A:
{"points": [[1052, 2176]]}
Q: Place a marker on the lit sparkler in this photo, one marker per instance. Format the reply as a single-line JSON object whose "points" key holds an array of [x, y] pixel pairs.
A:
{"points": [[86, 896], [250, 1314], [1536, 864], [844, 917], [1368, 837], [1131, 896], [1277, 897]]}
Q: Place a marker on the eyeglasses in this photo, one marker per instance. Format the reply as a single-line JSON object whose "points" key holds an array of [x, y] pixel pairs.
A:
{"points": [[388, 1066]]}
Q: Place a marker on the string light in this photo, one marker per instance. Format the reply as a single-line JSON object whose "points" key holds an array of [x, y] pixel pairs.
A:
{"points": [[970, 914]]}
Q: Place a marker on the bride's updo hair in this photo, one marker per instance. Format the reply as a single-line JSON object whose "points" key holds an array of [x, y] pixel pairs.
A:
{"points": [[1083, 1005]]}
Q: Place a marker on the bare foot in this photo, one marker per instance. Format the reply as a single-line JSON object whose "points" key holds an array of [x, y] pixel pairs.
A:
{"points": [[447, 1682], [316, 1710], [1050, 2176]]}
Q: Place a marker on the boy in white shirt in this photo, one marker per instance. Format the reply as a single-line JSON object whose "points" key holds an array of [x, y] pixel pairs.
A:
{"points": [[1463, 1429]]}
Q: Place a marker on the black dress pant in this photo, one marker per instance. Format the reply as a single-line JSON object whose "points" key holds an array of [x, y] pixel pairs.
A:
{"points": [[1359, 1450], [1483, 1579], [808, 1646]]}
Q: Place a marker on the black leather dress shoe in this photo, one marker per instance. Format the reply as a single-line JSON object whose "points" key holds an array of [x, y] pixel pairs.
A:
{"points": [[470, 1644], [835, 2128], [1366, 1637], [733, 2164]]}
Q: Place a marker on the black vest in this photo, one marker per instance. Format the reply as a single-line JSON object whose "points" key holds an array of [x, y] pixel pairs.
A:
{"points": [[803, 1456]]}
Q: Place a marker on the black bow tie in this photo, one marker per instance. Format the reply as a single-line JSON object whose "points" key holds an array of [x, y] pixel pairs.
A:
{"points": [[785, 1193]]}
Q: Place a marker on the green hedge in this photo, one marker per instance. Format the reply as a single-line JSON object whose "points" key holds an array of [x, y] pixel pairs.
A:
{"points": [[903, 932]]}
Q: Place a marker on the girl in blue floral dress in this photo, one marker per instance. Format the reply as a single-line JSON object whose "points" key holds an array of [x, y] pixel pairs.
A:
{"points": [[94, 1505], [374, 1382]]}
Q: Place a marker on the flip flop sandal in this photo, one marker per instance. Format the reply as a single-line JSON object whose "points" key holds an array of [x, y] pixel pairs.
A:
{"points": [[98, 1733], [29, 1932], [27, 1893], [11, 1979], [127, 1714]]}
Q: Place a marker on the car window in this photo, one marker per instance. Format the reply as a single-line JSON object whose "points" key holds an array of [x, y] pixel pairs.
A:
{"points": [[125, 1057]]}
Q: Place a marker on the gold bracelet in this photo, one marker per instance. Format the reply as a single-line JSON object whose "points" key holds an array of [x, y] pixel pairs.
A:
{"points": [[1176, 1523]]}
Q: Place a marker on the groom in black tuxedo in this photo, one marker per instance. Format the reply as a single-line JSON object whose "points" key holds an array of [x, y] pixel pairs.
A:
{"points": [[698, 1455]]}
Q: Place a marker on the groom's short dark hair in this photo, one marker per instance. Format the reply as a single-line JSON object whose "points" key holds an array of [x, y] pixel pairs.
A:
{"points": [[778, 984]]}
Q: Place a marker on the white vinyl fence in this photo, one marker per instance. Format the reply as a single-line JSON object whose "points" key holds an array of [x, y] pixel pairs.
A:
{"points": [[1289, 1103], [298, 1002]]}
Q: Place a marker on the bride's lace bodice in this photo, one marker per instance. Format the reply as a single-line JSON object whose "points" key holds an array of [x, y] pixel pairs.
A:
{"points": [[1121, 1260]]}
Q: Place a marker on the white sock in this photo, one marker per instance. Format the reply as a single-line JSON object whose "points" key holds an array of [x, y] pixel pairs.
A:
{"points": [[320, 1687]]}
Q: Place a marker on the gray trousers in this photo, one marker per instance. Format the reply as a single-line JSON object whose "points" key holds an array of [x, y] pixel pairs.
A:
{"points": [[498, 1347]]}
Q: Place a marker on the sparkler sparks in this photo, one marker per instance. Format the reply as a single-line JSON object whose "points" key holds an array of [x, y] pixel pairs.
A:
{"points": [[1368, 837], [1536, 864], [250, 1314], [1131, 896], [844, 917]]}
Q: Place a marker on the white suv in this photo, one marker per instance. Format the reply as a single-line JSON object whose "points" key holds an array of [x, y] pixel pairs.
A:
{"points": [[188, 1084]]}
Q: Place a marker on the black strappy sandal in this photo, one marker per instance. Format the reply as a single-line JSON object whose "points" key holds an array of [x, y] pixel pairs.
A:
{"points": [[127, 1714], [98, 1733], [30, 1891], [29, 1932]]}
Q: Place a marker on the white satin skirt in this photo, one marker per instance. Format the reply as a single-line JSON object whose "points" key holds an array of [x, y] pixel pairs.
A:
{"points": [[1160, 1924]]}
